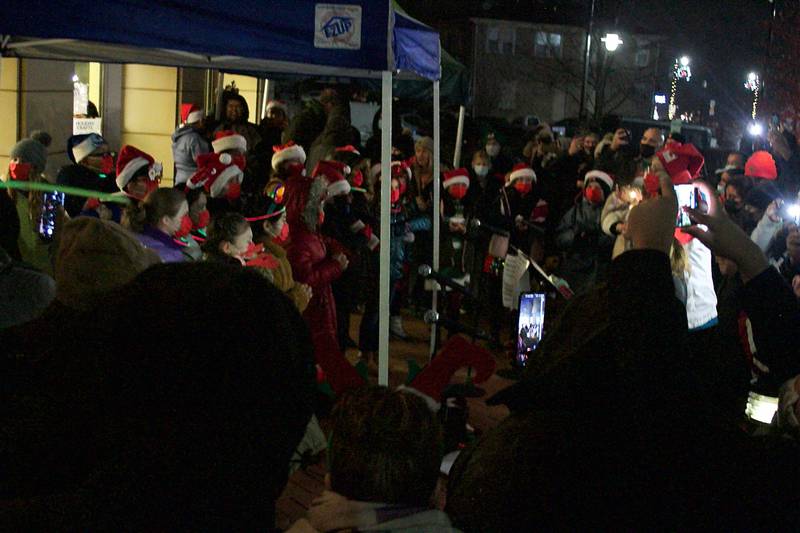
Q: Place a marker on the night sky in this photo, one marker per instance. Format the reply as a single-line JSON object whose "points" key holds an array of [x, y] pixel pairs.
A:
{"points": [[725, 39]]}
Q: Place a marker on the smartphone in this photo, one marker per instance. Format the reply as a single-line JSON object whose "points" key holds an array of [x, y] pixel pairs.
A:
{"points": [[687, 197], [530, 326], [47, 221]]}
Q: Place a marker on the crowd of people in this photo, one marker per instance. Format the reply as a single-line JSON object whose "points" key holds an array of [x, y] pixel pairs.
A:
{"points": [[166, 350]]}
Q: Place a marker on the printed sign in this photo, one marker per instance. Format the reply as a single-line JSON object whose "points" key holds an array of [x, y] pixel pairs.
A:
{"points": [[80, 98], [337, 26], [81, 126]]}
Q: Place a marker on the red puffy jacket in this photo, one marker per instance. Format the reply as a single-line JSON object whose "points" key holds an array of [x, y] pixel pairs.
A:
{"points": [[311, 265]]}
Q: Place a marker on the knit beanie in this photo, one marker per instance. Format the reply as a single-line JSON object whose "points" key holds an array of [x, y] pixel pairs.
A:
{"points": [[31, 151], [95, 256]]}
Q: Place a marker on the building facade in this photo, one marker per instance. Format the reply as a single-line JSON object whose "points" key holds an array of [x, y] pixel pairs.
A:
{"points": [[521, 68]]}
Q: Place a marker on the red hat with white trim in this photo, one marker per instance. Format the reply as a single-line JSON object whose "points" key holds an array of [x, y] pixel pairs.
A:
{"points": [[681, 161], [129, 161], [521, 170], [215, 171], [277, 104], [333, 172], [602, 178], [191, 113], [459, 176], [229, 140], [349, 148], [286, 152]]}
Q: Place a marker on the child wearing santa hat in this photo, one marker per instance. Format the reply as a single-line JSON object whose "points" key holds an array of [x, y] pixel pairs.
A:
{"points": [[453, 247], [288, 160], [188, 142], [579, 234], [137, 173]]}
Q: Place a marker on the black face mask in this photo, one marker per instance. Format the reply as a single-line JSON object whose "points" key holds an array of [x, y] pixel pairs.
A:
{"points": [[647, 151], [731, 208]]}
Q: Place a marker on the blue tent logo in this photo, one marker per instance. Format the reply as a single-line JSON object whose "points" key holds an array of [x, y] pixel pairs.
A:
{"points": [[337, 26]]}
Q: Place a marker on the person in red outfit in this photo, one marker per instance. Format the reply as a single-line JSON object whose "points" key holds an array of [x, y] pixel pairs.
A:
{"points": [[317, 262]]}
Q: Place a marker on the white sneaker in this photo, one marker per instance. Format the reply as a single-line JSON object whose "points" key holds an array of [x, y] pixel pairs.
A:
{"points": [[396, 327]]}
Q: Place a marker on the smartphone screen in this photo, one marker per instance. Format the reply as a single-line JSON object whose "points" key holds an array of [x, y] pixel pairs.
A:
{"points": [[687, 197], [530, 325], [47, 222]]}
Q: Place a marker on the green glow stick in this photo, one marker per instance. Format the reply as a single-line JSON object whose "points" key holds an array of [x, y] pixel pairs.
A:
{"points": [[66, 189]]}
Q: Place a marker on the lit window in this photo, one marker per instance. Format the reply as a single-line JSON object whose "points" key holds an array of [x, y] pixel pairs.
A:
{"points": [[500, 40], [547, 44]]}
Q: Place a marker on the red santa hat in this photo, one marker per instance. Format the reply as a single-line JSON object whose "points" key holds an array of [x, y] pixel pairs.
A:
{"points": [[681, 161], [761, 165], [459, 176], [401, 167], [229, 140], [286, 152], [521, 170], [191, 113], [277, 104], [215, 171], [333, 172], [456, 353], [349, 148], [129, 161], [605, 180]]}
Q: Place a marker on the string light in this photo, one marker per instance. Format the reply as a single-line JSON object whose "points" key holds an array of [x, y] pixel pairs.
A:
{"points": [[680, 71], [753, 83]]}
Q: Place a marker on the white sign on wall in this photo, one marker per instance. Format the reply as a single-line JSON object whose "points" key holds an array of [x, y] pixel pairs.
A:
{"points": [[80, 98], [82, 126], [337, 26]]}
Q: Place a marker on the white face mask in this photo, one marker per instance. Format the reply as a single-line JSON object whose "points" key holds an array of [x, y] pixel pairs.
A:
{"points": [[493, 149], [481, 170]]}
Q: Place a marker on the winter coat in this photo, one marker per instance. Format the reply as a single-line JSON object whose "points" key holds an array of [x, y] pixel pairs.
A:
{"points": [[165, 246], [615, 210], [588, 249], [453, 246], [84, 178], [187, 144], [533, 210], [701, 299], [282, 275], [313, 264], [32, 249]]}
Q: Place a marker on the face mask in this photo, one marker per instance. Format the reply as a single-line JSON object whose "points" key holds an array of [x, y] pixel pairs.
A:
{"points": [[253, 249], [186, 227], [296, 169], [721, 190], [107, 164], [481, 170], [458, 191], [320, 218], [234, 191], [594, 195], [358, 179], [203, 218], [20, 171], [493, 149], [283, 236], [395, 196], [647, 151], [731, 207], [523, 187]]}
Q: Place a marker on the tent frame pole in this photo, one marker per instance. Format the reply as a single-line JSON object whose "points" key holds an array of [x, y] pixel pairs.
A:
{"points": [[437, 218], [386, 206], [459, 137]]}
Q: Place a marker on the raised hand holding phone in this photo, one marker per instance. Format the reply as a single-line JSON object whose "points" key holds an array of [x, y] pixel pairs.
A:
{"points": [[724, 237]]}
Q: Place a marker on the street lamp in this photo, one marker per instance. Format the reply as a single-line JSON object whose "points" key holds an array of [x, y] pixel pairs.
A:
{"points": [[612, 41], [680, 71]]}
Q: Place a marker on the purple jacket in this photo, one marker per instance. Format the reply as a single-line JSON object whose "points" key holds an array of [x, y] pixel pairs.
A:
{"points": [[162, 244]]}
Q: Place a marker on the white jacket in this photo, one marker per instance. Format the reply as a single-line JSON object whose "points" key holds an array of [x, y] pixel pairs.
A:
{"points": [[701, 299], [615, 210]]}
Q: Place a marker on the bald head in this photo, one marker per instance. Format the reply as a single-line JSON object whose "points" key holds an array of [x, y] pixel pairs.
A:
{"points": [[653, 137]]}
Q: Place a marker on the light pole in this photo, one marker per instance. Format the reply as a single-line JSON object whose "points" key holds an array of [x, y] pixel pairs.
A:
{"points": [[587, 51], [680, 71]]}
